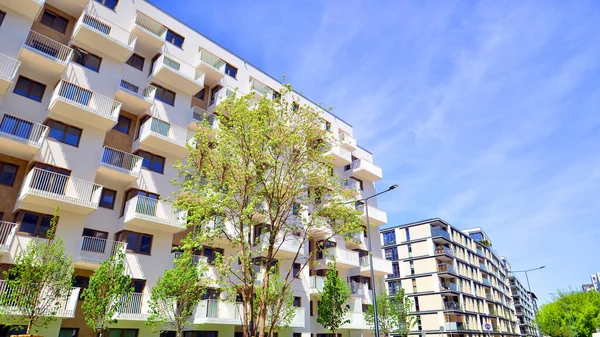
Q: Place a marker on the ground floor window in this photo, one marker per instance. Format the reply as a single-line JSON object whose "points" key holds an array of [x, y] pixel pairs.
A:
{"points": [[123, 333], [68, 332], [200, 334], [6, 331]]}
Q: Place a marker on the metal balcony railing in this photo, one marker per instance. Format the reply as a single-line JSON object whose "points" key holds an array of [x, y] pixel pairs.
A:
{"points": [[153, 210], [483, 266], [438, 231], [61, 187], [450, 305], [172, 133], [48, 47], [50, 303], [121, 161], [88, 100], [449, 286], [8, 67], [97, 250], [130, 305], [444, 250], [147, 23], [23, 131], [108, 30], [145, 91], [7, 235], [486, 282]]}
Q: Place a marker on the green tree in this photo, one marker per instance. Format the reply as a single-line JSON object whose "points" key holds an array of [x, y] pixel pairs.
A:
{"points": [[579, 311], [333, 309], [109, 287], [393, 312], [176, 294], [279, 313], [39, 283], [260, 179]]}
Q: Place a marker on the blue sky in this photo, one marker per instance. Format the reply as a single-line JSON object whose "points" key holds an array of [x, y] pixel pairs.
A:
{"points": [[485, 113]]}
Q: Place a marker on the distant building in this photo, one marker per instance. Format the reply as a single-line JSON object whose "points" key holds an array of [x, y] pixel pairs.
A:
{"points": [[587, 287], [525, 305], [596, 281]]}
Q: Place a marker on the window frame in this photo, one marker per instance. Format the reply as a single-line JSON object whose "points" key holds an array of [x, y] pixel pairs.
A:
{"points": [[297, 275], [159, 96], [36, 233], [228, 70], [132, 58], [76, 330], [299, 298], [129, 120], [103, 3], [2, 16], [114, 200], [121, 236], [137, 331], [197, 95], [138, 152], [56, 17], [173, 39], [85, 58], [3, 164], [31, 84], [48, 123]]}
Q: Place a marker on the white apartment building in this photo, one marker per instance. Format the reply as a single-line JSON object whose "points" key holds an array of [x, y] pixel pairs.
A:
{"points": [[524, 306], [98, 100], [595, 281], [458, 284]]}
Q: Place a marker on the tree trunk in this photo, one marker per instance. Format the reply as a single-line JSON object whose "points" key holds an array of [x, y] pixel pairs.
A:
{"points": [[28, 331]]}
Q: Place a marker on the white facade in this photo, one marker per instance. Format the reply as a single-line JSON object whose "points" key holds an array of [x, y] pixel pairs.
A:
{"points": [[78, 169]]}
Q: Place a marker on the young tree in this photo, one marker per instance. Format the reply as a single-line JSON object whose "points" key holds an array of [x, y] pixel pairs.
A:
{"points": [[572, 313], [176, 294], [39, 283], [332, 307], [108, 288], [393, 314], [279, 313], [265, 164]]}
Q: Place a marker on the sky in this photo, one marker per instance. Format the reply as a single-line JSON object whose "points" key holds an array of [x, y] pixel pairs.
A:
{"points": [[485, 113]]}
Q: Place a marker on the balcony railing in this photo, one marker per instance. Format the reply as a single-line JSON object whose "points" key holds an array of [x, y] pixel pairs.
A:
{"points": [[446, 268], [132, 307], [23, 131], [200, 115], [145, 92], [50, 304], [340, 255], [196, 259], [455, 326], [483, 266], [152, 26], [316, 283], [351, 184], [8, 67], [438, 231], [449, 286], [212, 60], [260, 88], [217, 311], [357, 288], [61, 187], [181, 68], [486, 282], [108, 30], [346, 139], [450, 305], [48, 47], [480, 252], [489, 297], [121, 161], [172, 133], [153, 210], [88, 100], [97, 250], [444, 250], [7, 235]]}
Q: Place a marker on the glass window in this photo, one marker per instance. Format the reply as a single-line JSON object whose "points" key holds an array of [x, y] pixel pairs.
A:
{"points": [[68, 332], [112, 4], [136, 242], [296, 271], [145, 244], [297, 301], [8, 173], [86, 59], [64, 133], [35, 224], [230, 70], [389, 238], [164, 95], [151, 161], [123, 124], [200, 94], [122, 332], [54, 21], [407, 231], [136, 61], [30, 88], [168, 334], [107, 198], [2, 15], [391, 253], [174, 38]]}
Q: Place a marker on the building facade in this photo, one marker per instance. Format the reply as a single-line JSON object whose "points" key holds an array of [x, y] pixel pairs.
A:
{"points": [[98, 100], [595, 281], [457, 283], [525, 306]]}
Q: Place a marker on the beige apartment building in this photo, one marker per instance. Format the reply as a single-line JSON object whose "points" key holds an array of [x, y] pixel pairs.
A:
{"points": [[458, 284], [98, 99]]}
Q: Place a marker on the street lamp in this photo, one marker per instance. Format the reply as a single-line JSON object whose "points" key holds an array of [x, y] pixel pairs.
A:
{"points": [[537, 322], [568, 312]]}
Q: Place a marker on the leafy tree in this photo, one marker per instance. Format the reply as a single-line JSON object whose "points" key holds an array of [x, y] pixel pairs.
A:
{"points": [[393, 312], [571, 310], [279, 313], [333, 309], [108, 288], [175, 295], [265, 164], [39, 283]]}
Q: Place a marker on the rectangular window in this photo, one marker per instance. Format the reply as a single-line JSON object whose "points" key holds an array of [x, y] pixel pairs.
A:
{"points": [[86, 59], [174, 38], [81, 282], [68, 332], [168, 334], [412, 267], [2, 15], [112, 4], [311, 308], [30, 88], [122, 332], [211, 294], [230, 70], [136, 61], [391, 253], [136, 242], [407, 231], [8, 173], [200, 334], [34, 224], [296, 269], [211, 253], [360, 184], [164, 95], [200, 94], [64, 133], [414, 284], [297, 301], [389, 238], [151, 161], [55, 21], [107, 198], [123, 124]]}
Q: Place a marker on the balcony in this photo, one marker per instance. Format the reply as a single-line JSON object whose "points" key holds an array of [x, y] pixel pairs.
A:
{"points": [[358, 290], [196, 259], [8, 70], [28, 8], [480, 252], [178, 74], [446, 268], [377, 217], [104, 37], [348, 141], [351, 185], [50, 189], [135, 97], [21, 138], [45, 54], [315, 284], [146, 213], [440, 232], [449, 286], [217, 312], [489, 297], [454, 326], [220, 96], [212, 66], [486, 282], [340, 155], [380, 266], [7, 235], [286, 248], [119, 166], [344, 258], [452, 306], [199, 116], [298, 321], [443, 250], [133, 308], [93, 251], [356, 321], [364, 169], [83, 107], [260, 90], [150, 33], [162, 138], [59, 307], [483, 267]]}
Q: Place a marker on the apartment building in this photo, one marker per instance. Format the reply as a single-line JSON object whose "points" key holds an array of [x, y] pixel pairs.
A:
{"points": [[595, 281], [525, 308], [457, 283], [98, 100]]}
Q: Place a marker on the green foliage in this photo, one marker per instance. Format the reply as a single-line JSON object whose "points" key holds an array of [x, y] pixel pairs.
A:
{"points": [[579, 311], [39, 283], [108, 288], [176, 294], [393, 313], [333, 309], [279, 312], [486, 243]]}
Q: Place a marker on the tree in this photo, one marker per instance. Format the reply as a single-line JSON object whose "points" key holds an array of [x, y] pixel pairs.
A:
{"points": [[39, 283], [571, 310], [393, 314], [260, 180], [176, 294], [109, 287], [332, 306], [279, 316]]}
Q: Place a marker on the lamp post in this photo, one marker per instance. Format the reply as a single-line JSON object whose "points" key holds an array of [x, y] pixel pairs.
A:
{"points": [[537, 322]]}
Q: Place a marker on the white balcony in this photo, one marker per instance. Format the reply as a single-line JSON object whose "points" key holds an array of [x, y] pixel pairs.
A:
{"points": [[351, 185], [142, 213], [44, 54], [28, 8], [104, 37], [217, 312], [133, 308], [62, 306], [7, 235], [150, 33], [178, 74], [315, 284], [198, 116], [196, 259], [357, 321], [221, 95], [364, 169], [51, 190], [83, 107], [8, 70], [380, 266], [340, 155], [21, 138], [162, 138], [212, 65], [260, 90], [119, 166], [287, 248], [135, 97], [343, 258], [93, 251], [348, 141], [377, 217], [298, 321]]}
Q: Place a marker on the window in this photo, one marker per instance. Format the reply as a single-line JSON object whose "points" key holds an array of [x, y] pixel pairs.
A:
{"points": [[174, 38], [86, 59], [6, 331], [297, 301], [164, 95], [30, 88], [136, 242], [64, 133], [407, 231], [123, 124], [389, 238], [200, 94], [136, 61], [214, 93], [296, 208], [8, 173], [151, 161], [107, 198], [295, 106], [391, 253], [230, 70], [311, 308], [409, 247], [2, 15], [211, 294], [138, 285], [122, 332], [168, 334], [360, 184], [55, 21], [200, 334], [34, 224], [211, 253], [412, 267], [297, 334], [112, 4], [395, 270], [414, 284], [296, 269]]}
